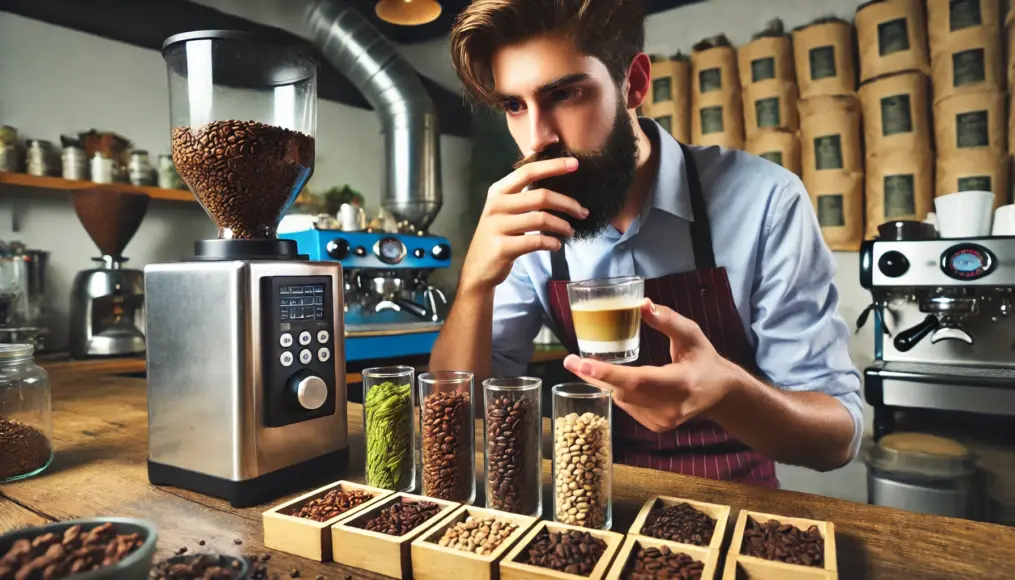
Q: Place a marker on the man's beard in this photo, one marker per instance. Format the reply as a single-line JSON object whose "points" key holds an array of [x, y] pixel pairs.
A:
{"points": [[600, 183]]}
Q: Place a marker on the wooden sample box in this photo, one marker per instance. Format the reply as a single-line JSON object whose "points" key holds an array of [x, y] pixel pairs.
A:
{"points": [[741, 567], [708, 556], [720, 513], [512, 570]]}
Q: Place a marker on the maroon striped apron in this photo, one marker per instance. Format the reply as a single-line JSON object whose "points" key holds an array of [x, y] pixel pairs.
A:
{"points": [[699, 447]]}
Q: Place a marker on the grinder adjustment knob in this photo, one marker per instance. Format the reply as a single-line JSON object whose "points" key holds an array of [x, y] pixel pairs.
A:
{"points": [[893, 264], [310, 391]]}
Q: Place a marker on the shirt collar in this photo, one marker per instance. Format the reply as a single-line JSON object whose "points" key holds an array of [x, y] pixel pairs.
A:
{"points": [[669, 190]]}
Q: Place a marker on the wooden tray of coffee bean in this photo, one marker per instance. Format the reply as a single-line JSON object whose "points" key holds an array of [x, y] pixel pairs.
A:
{"points": [[642, 557], [585, 553], [468, 544], [758, 537], [302, 526], [683, 521], [378, 538]]}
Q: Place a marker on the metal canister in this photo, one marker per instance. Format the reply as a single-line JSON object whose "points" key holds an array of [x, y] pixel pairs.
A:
{"points": [[39, 154], [139, 169], [75, 166], [102, 168], [8, 148], [168, 177]]}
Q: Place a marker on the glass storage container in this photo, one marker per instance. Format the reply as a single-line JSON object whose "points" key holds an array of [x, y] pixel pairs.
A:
{"points": [[582, 456], [26, 423], [447, 422], [513, 445], [388, 403]]}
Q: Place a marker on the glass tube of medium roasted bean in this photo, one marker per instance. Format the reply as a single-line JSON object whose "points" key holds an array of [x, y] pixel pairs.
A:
{"points": [[513, 445], [388, 406], [582, 456], [446, 423]]}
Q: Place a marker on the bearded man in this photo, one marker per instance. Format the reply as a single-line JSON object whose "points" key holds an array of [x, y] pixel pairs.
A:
{"points": [[744, 358]]}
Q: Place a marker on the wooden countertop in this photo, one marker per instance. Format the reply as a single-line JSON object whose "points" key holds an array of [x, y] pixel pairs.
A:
{"points": [[100, 426]]}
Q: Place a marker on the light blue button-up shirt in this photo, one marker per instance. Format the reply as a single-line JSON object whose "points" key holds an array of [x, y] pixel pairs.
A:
{"points": [[766, 235]]}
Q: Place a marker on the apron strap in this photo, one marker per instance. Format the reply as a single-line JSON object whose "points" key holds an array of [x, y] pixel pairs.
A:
{"points": [[558, 265]]}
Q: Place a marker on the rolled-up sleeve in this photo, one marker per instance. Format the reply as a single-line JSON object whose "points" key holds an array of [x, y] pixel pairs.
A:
{"points": [[517, 318], [802, 341]]}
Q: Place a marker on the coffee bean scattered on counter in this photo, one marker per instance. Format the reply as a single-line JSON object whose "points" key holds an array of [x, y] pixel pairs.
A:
{"points": [[679, 523], [389, 433], [401, 518], [513, 462], [480, 535], [447, 453], [23, 449], [582, 479], [258, 570], [774, 540], [242, 171], [75, 551], [331, 504], [200, 567], [571, 552], [662, 564]]}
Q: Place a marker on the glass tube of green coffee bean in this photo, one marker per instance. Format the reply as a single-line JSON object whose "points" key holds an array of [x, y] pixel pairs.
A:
{"points": [[513, 443], [582, 456], [388, 402], [447, 425]]}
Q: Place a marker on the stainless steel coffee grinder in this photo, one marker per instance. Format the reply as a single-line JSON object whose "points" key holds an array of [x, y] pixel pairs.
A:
{"points": [[246, 371]]}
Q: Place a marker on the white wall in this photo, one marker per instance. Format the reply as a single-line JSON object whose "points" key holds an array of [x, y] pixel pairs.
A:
{"points": [[56, 81]]}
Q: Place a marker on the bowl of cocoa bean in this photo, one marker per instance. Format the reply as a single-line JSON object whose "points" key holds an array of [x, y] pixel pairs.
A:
{"points": [[201, 567], [85, 549]]}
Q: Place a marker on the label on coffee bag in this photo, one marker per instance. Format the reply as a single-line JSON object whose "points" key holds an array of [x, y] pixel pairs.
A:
{"points": [[762, 69], [896, 116], [828, 152], [662, 89], [971, 130], [975, 183], [711, 120], [900, 196], [830, 211], [893, 36], [666, 122], [822, 62], [767, 112], [710, 80], [773, 156], [968, 67], [964, 14]]}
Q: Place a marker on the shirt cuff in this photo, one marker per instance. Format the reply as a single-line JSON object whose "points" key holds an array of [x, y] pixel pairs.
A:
{"points": [[854, 405]]}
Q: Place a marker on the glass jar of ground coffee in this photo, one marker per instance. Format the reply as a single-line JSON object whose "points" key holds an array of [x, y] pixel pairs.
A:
{"points": [[26, 424]]}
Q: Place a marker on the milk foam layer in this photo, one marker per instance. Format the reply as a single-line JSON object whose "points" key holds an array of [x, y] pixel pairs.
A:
{"points": [[608, 347]]}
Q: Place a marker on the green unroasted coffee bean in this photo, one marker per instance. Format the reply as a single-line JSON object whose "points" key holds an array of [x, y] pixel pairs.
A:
{"points": [[389, 436]]}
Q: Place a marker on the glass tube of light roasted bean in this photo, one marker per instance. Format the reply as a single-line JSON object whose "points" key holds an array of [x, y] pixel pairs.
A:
{"points": [[582, 456], [448, 442], [388, 406], [512, 445]]}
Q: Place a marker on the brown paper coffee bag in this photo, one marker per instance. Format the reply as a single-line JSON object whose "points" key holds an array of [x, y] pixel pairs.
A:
{"points": [[892, 36], [896, 113], [779, 147], [714, 70], [767, 58], [824, 57], [770, 105], [970, 121], [838, 202], [965, 47], [831, 134], [900, 186], [717, 119], [974, 170], [669, 97]]}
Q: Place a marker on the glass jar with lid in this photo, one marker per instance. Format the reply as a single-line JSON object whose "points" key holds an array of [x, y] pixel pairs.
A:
{"points": [[26, 423]]}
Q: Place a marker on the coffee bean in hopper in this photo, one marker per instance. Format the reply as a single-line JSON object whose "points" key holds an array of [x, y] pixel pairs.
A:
{"points": [[582, 464], [513, 462], [661, 564], [679, 523], [571, 552], [774, 540], [402, 517], [332, 504], [447, 446]]}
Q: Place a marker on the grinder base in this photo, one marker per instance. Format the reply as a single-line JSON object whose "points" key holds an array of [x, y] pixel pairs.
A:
{"points": [[266, 249]]}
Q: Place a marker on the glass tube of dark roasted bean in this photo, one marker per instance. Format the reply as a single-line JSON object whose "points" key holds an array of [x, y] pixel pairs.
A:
{"points": [[447, 439], [512, 445], [582, 456]]}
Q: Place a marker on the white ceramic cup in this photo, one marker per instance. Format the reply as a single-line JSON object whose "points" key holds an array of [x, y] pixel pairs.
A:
{"points": [[966, 214], [1004, 221]]}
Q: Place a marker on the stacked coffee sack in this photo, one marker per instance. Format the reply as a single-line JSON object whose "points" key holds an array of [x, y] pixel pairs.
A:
{"points": [[717, 116], [668, 101]]}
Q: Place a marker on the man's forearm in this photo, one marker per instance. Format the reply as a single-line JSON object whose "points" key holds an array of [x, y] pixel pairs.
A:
{"points": [[464, 343], [800, 428]]}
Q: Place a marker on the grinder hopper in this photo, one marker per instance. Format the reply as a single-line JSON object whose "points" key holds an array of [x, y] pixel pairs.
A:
{"points": [[111, 218]]}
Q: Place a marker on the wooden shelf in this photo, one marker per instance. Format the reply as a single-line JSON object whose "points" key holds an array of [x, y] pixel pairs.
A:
{"points": [[61, 184]]}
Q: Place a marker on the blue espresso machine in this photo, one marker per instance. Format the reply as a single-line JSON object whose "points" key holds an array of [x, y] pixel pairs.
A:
{"points": [[392, 311]]}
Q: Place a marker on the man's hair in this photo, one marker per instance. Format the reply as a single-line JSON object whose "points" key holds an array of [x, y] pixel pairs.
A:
{"points": [[611, 30]]}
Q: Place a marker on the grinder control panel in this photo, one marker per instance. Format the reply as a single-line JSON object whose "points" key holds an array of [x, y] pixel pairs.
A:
{"points": [[298, 344]]}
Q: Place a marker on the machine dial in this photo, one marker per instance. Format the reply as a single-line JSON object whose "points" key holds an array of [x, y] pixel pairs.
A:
{"points": [[893, 264], [390, 250], [442, 252], [968, 262], [311, 392], [337, 249]]}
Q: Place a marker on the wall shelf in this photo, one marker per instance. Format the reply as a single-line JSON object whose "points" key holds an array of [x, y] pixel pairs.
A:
{"points": [[11, 182]]}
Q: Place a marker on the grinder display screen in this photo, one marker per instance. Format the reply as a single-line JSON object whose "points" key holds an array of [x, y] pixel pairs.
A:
{"points": [[304, 302]]}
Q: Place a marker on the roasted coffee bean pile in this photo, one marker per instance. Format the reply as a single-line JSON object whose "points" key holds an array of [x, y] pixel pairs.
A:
{"points": [[56, 556], [401, 518], [480, 535], [199, 567], [662, 564], [582, 463], [512, 455], [447, 453], [23, 449], [679, 523], [333, 503], [774, 540], [243, 172], [571, 552]]}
